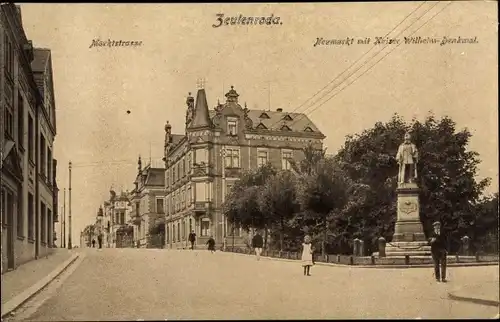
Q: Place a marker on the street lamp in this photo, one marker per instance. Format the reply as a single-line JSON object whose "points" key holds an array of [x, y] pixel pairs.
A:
{"points": [[223, 155]]}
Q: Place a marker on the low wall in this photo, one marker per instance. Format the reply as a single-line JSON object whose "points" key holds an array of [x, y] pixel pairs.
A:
{"points": [[369, 260]]}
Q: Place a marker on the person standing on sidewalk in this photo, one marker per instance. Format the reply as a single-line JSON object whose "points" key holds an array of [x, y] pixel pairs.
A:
{"points": [[192, 239], [99, 240], [257, 244], [307, 254], [93, 243], [438, 251], [211, 244]]}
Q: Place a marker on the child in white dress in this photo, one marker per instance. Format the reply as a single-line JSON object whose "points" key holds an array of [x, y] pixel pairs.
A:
{"points": [[307, 253]]}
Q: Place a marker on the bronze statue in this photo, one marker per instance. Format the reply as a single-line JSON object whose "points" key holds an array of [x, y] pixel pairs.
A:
{"points": [[407, 158]]}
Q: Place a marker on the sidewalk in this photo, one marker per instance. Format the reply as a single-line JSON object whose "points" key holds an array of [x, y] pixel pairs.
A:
{"points": [[25, 281], [486, 293]]}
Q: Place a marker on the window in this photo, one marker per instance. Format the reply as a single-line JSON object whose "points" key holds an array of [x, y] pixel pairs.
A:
{"points": [[188, 193], [9, 203], [183, 229], [122, 218], [286, 156], [232, 158], [20, 119], [264, 115], [261, 157], [167, 178], [287, 118], [178, 231], [189, 163], [232, 127], [20, 219], [190, 225], [42, 156], [4, 211], [31, 145], [159, 206], [183, 167], [49, 166], [229, 186], [43, 223], [31, 217], [173, 174], [205, 227], [49, 226], [9, 121], [9, 56], [234, 229]]}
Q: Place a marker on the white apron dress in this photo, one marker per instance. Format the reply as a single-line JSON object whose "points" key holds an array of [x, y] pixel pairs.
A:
{"points": [[307, 254]]}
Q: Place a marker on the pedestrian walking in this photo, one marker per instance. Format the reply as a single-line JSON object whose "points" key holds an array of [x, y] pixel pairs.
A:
{"points": [[99, 240], [439, 252], [257, 244], [93, 243], [211, 244], [307, 254], [192, 239]]}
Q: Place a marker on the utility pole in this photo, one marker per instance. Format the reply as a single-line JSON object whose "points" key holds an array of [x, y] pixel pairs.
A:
{"points": [[223, 156], [64, 218], [69, 235]]}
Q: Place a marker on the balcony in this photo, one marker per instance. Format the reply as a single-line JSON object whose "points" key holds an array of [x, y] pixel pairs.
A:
{"points": [[232, 172], [202, 170], [202, 206], [136, 220]]}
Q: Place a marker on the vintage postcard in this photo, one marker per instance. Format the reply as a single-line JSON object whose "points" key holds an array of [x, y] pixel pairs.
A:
{"points": [[235, 161]]}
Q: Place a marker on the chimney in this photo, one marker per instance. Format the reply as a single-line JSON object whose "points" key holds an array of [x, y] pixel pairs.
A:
{"points": [[279, 110]]}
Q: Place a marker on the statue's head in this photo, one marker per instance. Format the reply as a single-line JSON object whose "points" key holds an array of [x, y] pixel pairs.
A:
{"points": [[407, 137]]}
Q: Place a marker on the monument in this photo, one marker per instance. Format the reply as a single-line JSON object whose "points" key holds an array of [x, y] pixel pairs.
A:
{"points": [[409, 237]]}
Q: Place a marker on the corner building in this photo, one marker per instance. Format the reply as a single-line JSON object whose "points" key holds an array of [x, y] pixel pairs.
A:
{"points": [[218, 145], [27, 132]]}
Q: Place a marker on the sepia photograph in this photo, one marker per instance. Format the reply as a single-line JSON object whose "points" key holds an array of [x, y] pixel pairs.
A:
{"points": [[249, 161]]}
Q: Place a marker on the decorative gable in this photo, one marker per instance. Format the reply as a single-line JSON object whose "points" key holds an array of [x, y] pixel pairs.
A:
{"points": [[308, 129], [261, 127], [287, 118], [285, 128], [264, 115]]}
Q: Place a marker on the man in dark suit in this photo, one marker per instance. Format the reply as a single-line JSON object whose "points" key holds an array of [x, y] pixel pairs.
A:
{"points": [[257, 244], [438, 251]]}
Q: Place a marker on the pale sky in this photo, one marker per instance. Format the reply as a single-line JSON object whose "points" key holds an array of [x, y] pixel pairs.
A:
{"points": [[95, 87]]}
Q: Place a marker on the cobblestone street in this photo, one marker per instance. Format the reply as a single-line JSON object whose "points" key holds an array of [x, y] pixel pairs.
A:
{"points": [[121, 284]]}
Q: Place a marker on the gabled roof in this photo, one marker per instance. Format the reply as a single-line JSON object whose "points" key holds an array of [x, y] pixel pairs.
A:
{"points": [[299, 121]]}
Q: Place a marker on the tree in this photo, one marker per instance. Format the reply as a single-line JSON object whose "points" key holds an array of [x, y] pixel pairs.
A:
{"points": [[278, 199], [325, 192], [241, 205], [446, 173], [484, 230]]}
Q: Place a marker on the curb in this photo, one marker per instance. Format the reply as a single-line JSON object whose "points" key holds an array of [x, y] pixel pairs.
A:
{"points": [[376, 266], [452, 296], [20, 299]]}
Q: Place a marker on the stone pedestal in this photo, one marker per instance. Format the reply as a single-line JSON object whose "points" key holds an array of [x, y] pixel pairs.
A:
{"points": [[409, 237]]}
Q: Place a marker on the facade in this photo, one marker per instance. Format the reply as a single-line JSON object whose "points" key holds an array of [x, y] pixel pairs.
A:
{"points": [[121, 234], [148, 206], [27, 132], [217, 145]]}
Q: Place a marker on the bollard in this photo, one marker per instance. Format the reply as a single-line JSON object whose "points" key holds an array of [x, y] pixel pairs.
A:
{"points": [[373, 260], [356, 245], [381, 247], [407, 259], [465, 245], [361, 248], [351, 260]]}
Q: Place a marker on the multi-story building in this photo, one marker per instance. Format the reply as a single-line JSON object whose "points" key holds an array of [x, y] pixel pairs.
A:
{"points": [[148, 206], [27, 132], [121, 232], [217, 145]]}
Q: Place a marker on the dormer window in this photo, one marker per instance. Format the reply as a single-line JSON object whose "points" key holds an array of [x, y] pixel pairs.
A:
{"points": [[308, 129], [261, 127], [264, 116], [232, 127], [287, 118], [285, 128]]}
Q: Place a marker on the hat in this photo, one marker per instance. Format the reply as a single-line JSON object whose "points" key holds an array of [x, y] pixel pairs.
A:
{"points": [[436, 223]]}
